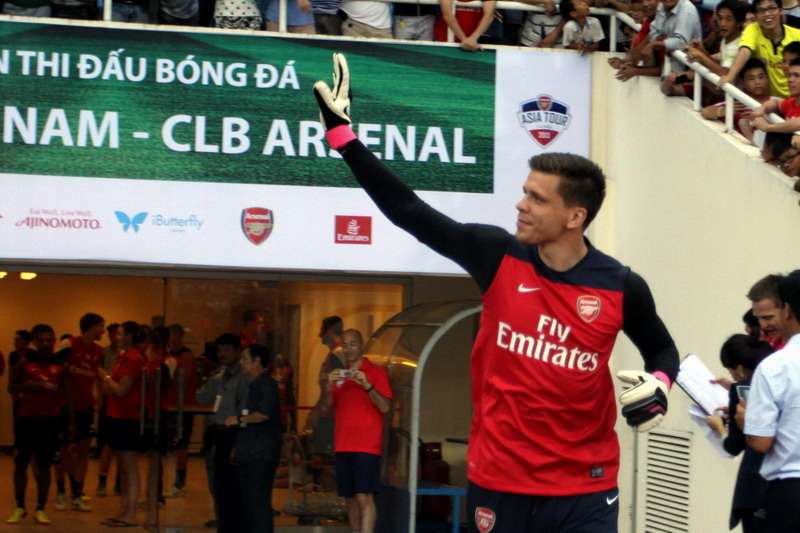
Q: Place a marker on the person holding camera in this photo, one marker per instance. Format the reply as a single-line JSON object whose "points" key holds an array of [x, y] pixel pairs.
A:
{"points": [[361, 396]]}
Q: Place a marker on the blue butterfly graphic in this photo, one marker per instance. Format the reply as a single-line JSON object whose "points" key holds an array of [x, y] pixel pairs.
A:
{"points": [[127, 221]]}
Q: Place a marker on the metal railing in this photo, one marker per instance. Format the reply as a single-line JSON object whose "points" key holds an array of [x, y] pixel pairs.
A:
{"points": [[732, 93]]}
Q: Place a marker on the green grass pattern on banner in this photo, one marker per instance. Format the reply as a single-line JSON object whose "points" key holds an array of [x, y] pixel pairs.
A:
{"points": [[392, 84]]}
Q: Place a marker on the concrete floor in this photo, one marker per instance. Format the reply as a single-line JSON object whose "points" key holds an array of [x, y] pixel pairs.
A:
{"points": [[186, 514]]}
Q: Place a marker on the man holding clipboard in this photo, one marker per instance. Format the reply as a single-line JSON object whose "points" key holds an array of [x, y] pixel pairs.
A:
{"points": [[772, 415]]}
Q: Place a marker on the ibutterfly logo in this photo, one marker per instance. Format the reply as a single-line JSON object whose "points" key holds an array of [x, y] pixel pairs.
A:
{"points": [[134, 221]]}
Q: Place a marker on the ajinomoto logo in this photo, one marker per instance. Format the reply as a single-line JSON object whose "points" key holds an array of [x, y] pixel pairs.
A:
{"points": [[544, 118]]}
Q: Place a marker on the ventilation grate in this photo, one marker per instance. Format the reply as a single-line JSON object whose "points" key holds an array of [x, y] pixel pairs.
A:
{"points": [[667, 482]]}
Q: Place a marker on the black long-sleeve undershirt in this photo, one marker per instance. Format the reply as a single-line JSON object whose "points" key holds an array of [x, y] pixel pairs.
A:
{"points": [[479, 249]]}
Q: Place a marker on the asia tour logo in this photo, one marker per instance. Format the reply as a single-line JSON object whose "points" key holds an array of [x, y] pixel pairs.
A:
{"points": [[353, 230], [257, 224], [484, 519], [544, 118], [133, 221], [66, 219], [588, 308]]}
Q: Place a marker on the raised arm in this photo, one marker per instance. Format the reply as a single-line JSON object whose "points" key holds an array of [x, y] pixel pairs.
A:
{"points": [[477, 248]]}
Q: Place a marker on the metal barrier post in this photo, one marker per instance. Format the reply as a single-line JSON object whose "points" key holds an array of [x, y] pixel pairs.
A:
{"points": [[282, 17], [450, 37], [612, 30], [107, 7], [728, 112], [698, 91]]}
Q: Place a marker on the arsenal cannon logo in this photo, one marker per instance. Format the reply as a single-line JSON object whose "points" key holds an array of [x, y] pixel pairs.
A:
{"points": [[257, 223]]}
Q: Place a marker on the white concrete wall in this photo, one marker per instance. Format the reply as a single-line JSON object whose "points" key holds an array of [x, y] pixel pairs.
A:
{"points": [[701, 218]]}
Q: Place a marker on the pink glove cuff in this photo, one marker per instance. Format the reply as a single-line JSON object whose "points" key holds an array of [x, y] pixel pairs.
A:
{"points": [[663, 377], [340, 136]]}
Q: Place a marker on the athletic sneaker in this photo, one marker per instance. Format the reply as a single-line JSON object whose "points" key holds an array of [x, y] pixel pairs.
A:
{"points": [[61, 502], [86, 498], [16, 516], [41, 518], [79, 505], [178, 492]]}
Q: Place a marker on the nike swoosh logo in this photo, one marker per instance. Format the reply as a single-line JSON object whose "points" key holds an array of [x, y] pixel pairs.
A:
{"points": [[523, 288], [609, 501]]}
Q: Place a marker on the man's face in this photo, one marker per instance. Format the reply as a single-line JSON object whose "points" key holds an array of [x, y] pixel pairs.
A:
{"points": [[794, 81], [769, 15], [352, 347], [327, 335], [769, 317], [97, 331], [19, 343], [726, 22], [755, 82], [669, 4], [115, 337], [542, 215], [44, 342], [228, 355], [581, 8], [649, 7], [175, 338], [788, 57]]}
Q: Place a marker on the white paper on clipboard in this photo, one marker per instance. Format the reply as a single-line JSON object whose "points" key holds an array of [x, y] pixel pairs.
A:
{"points": [[695, 379]]}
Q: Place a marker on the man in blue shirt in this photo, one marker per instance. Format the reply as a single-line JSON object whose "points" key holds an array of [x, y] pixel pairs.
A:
{"points": [[772, 417]]}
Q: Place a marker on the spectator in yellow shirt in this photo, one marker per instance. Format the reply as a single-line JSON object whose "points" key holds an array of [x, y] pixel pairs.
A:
{"points": [[765, 40]]}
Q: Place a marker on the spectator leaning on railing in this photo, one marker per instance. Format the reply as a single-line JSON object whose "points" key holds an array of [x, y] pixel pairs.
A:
{"points": [[581, 32], [789, 108], [639, 62], [366, 18], [676, 24], [542, 29], [730, 16], [468, 35], [766, 40], [753, 81]]}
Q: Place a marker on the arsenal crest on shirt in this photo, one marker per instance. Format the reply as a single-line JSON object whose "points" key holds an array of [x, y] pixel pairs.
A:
{"points": [[484, 519], [588, 308], [544, 118], [257, 223]]}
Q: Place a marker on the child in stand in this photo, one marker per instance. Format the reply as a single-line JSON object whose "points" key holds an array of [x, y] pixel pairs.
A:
{"points": [[581, 32]]}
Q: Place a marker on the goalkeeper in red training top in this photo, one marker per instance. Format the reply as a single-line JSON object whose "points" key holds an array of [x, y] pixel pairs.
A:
{"points": [[543, 455]]}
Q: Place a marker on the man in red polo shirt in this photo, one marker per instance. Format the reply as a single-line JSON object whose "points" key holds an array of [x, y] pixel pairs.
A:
{"points": [[84, 356], [361, 395]]}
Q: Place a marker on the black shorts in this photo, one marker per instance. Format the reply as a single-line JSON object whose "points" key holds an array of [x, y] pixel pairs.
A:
{"points": [[503, 512], [36, 436], [84, 420], [358, 473], [172, 430], [123, 434]]}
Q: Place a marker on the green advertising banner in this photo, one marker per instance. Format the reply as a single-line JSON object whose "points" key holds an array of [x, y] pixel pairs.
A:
{"points": [[211, 107]]}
